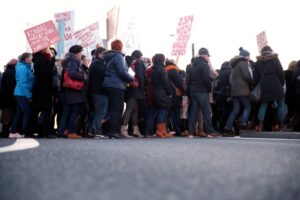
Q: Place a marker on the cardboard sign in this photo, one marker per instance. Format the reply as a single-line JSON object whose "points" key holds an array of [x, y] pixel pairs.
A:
{"points": [[183, 33], [68, 28], [42, 36], [88, 36], [261, 39]]}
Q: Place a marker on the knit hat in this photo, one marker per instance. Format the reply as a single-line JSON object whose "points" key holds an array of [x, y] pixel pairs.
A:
{"points": [[243, 52], [76, 49], [158, 58], [203, 51], [266, 50], [137, 54], [13, 61], [116, 45]]}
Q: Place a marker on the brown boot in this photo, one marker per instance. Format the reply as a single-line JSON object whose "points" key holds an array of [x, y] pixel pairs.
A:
{"points": [[165, 132], [74, 136]]}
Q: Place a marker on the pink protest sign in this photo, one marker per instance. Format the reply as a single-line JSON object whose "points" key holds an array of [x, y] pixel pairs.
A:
{"points": [[183, 33], [88, 36], [261, 40], [42, 36]]}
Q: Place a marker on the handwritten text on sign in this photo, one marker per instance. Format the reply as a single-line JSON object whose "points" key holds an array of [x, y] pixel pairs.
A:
{"points": [[87, 36], [261, 40], [183, 33], [42, 36]]}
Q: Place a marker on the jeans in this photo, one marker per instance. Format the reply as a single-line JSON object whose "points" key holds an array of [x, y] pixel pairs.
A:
{"points": [[116, 106], [100, 103], [280, 110], [200, 101], [65, 114], [150, 121], [160, 115], [73, 117], [237, 101], [23, 112]]}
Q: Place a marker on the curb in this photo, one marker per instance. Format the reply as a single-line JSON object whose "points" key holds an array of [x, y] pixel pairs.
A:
{"points": [[280, 135]]}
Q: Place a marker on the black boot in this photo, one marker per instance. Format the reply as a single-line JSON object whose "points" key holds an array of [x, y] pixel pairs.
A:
{"points": [[5, 131]]}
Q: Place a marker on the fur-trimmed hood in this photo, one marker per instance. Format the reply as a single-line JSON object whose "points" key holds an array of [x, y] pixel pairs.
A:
{"points": [[234, 61], [268, 57]]}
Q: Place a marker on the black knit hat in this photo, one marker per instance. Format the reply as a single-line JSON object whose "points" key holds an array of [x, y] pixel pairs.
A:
{"points": [[137, 54], [76, 49], [203, 51]]}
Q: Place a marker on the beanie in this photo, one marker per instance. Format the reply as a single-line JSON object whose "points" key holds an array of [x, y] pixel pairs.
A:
{"points": [[116, 45], [203, 51], [243, 52], [137, 54], [75, 49]]}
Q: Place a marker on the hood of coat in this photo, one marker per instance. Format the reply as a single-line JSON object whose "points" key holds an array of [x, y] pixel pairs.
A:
{"points": [[69, 57], [268, 57], [234, 61], [108, 55]]}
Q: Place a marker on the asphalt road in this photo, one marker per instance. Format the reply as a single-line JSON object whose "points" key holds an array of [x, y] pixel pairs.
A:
{"points": [[142, 169]]}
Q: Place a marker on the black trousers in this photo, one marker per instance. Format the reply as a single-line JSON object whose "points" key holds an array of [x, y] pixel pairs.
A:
{"points": [[116, 106]]}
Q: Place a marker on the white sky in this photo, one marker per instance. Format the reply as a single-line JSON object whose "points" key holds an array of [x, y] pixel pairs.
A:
{"points": [[221, 26]]}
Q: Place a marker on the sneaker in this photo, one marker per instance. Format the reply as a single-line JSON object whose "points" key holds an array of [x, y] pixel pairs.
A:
{"points": [[15, 135]]}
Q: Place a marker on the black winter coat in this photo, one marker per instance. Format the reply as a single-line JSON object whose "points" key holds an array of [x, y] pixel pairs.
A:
{"points": [[42, 87], [199, 80], [96, 77], [273, 79], [161, 88], [8, 84], [140, 72]]}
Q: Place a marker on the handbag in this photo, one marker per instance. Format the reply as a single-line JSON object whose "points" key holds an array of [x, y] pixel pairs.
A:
{"points": [[255, 94], [72, 83]]}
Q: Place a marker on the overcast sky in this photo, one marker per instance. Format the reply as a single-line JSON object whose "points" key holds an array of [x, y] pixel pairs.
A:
{"points": [[221, 26]]}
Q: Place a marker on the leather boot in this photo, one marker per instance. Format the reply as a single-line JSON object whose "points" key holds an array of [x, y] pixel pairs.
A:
{"points": [[124, 131], [165, 132], [5, 131], [136, 132]]}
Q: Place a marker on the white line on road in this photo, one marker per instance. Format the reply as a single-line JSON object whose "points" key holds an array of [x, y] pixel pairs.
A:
{"points": [[20, 144]]}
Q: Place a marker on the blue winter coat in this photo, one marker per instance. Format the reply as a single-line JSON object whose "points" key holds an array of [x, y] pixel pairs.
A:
{"points": [[116, 75], [24, 78]]}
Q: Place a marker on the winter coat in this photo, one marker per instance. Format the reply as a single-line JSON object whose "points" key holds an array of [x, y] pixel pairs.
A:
{"points": [[240, 79], [24, 79], [289, 98], [161, 88], [177, 85], [199, 80], [8, 84], [150, 88], [96, 76], [116, 75], [140, 73], [273, 79], [223, 85], [42, 92], [77, 73]]}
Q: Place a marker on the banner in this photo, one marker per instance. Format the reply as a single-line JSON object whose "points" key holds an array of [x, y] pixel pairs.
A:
{"points": [[112, 21], [183, 33], [261, 39], [42, 36], [88, 36], [69, 20]]}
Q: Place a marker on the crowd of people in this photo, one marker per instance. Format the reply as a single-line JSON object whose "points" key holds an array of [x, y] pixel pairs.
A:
{"points": [[42, 96]]}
